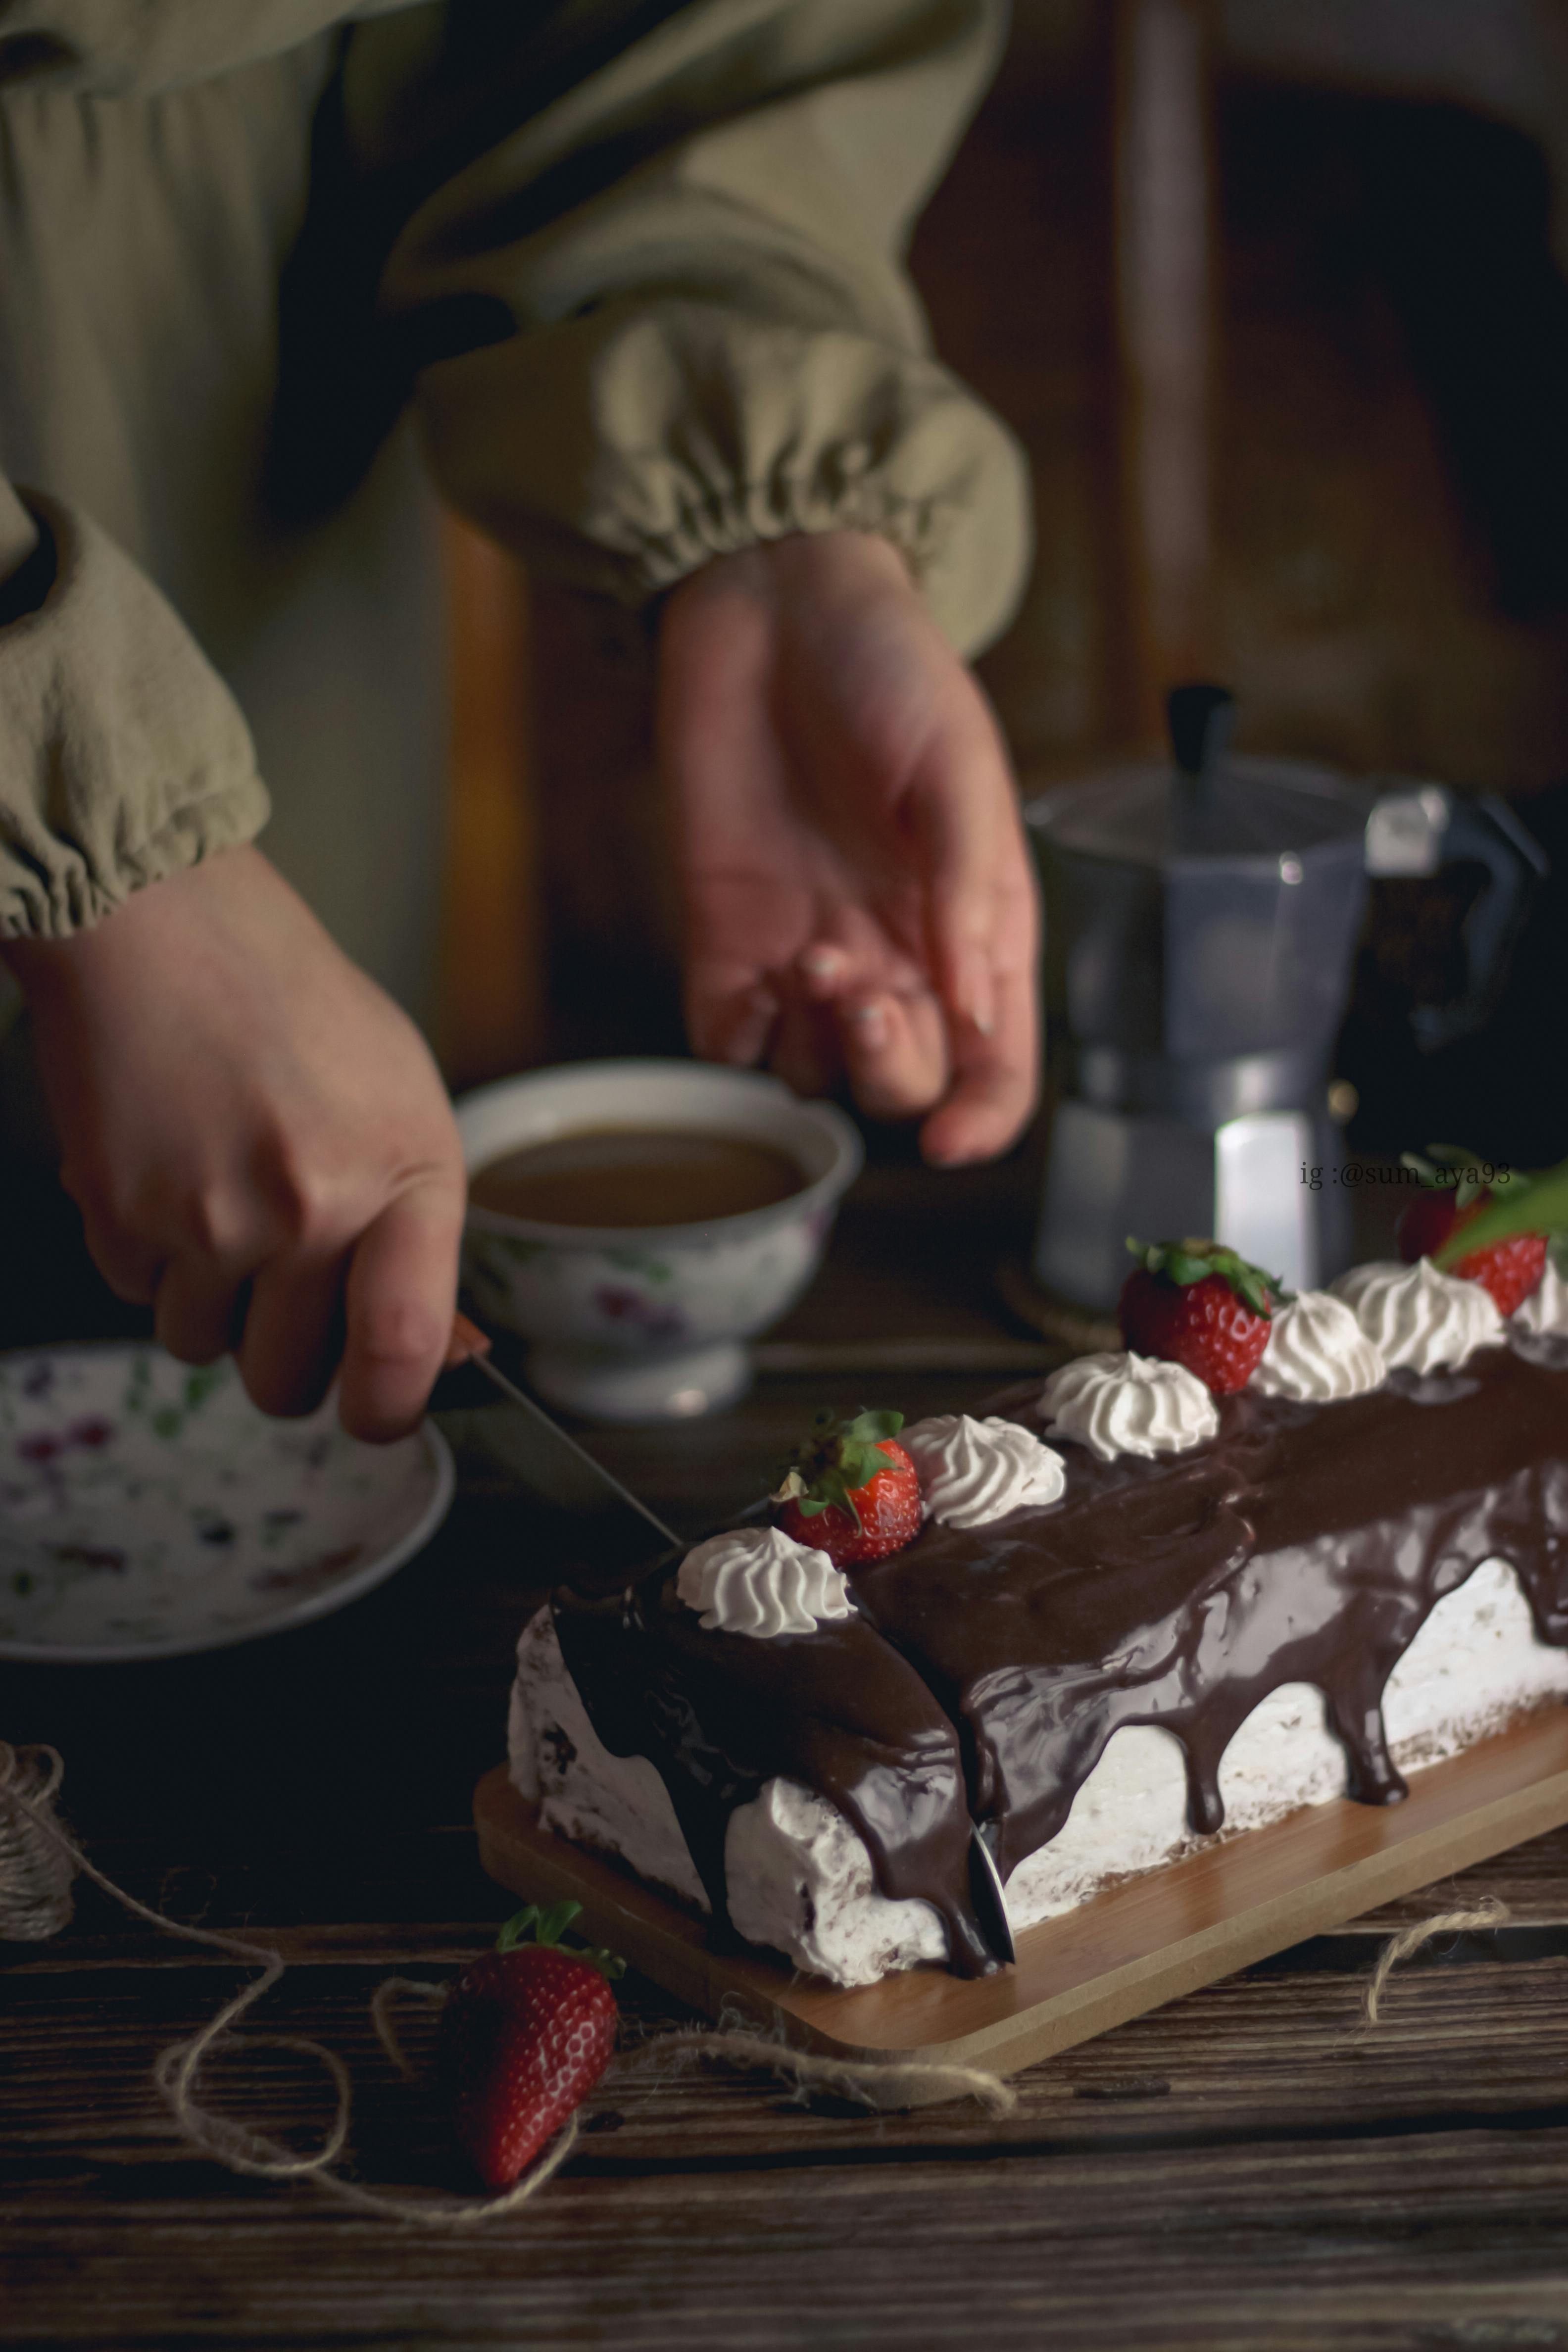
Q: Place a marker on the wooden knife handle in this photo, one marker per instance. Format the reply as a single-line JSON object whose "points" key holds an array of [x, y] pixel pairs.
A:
{"points": [[467, 1342]]}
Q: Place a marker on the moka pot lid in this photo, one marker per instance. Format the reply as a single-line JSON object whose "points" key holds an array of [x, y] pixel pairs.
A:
{"points": [[1201, 806]]}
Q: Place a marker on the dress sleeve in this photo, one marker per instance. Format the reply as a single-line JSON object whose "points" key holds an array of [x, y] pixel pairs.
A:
{"points": [[123, 757], [691, 233]]}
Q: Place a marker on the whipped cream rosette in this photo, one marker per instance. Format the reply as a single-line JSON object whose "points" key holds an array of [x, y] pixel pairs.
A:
{"points": [[1318, 1353], [1419, 1319], [972, 1472], [1128, 1404], [760, 1582], [1545, 1312]]}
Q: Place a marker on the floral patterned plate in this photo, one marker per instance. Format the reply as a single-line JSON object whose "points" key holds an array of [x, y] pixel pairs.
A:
{"points": [[147, 1510]]}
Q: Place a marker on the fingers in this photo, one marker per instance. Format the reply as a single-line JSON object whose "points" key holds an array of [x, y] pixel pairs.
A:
{"points": [[198, 1309], [395, 1289], [853, 955], [985, 932], [401, 1293], [975, 860], [131, 1267], [895, 1054], [730, 1019], [293, 1335], [996, 1081], [805, 1049]]}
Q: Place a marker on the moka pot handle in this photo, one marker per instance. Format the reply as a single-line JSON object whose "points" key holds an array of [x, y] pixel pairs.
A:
{"points": [[1422, 828]]}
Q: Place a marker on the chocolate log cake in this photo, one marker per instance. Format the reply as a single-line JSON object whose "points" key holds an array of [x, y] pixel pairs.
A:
{"points": [[1181, 1617]]}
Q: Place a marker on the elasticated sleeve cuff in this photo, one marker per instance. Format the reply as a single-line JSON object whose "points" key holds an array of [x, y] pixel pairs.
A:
{"points": [[123, 757], [698, 249], [703, 431]]}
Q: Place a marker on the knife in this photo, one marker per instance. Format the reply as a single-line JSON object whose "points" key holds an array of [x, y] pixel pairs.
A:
{"points": [[584, 1511], [565, 1476]]}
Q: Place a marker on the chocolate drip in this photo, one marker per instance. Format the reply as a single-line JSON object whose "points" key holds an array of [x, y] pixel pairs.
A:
{"points": [[838, 1710], [1305, 1543]]}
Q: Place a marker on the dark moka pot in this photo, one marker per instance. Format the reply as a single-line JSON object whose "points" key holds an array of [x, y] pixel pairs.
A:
{"points": [[1201, 919]]}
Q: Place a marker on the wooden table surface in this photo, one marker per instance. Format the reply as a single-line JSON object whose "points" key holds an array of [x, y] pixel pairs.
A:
{"points": [[1243, 2169]]}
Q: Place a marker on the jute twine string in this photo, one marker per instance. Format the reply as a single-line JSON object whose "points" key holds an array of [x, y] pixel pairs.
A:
{"points": [[35, 1871], [38, 1861], [884, 2085], [28, 1779], [1488, 1913]]}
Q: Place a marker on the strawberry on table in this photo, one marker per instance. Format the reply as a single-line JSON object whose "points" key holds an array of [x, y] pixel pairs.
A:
{"points": [[851, 1490], [1195, 1304], [526, 2034], [1453, 1195]]}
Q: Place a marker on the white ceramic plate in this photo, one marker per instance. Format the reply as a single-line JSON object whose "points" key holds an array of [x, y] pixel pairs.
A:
{"points": [[147, 1510]]}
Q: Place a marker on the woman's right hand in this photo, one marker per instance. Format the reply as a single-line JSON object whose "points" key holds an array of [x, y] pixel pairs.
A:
{"points": [[258, 1141]]}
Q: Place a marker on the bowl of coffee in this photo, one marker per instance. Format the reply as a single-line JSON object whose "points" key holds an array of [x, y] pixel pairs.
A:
{"points": [[638, 1220]]}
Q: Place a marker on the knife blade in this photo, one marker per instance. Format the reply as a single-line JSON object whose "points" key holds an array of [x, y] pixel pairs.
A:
{"points": [[585, 1512], [565, 1476]]}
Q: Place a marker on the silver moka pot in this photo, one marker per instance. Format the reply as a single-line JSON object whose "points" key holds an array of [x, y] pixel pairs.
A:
{"points": [[1201, 918]]}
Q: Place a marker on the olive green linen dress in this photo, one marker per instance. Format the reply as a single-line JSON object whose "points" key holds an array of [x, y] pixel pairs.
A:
{"points": [[621, 275]]}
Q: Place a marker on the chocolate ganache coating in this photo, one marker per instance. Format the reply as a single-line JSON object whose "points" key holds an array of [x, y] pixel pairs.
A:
{"points": [[1303, 1543], [838, 1710], [989, 1666]]}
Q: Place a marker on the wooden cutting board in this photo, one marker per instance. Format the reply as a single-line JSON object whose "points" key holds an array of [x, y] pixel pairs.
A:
{"points": [[1131, 1949]]}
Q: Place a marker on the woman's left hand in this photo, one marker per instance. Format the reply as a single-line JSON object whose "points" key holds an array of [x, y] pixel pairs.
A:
{"points": [[858, 892]]}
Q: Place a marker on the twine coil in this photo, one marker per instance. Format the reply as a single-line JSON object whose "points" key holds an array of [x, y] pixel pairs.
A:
{"points": [[38, 1862], [36, 1869], [1488, 1913]]}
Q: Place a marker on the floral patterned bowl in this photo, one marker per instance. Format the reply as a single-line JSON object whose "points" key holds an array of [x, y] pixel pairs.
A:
{"points": [[648, 1323], [147, 1510]]}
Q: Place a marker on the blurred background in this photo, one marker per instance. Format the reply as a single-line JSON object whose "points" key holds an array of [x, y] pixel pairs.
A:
{"points": [[1272, 290]]}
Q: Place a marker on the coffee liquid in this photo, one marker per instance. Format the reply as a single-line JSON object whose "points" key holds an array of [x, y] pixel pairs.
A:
{"points": [[637, 1176]]}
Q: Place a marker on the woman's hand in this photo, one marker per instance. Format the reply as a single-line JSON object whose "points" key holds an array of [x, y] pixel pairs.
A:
{"points": [[257, 1140], [856, 888]]}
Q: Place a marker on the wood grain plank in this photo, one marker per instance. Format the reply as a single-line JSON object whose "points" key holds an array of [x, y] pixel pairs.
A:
{"points": [[1313, 2247], [1258, 2060], [1239, 2164]]}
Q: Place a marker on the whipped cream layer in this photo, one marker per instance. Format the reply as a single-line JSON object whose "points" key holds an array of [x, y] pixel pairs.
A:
{"points": [[800, 1880], [760, 1582], [1419, 1319], [1475, 1666], [972, 1472], [1318, 1352], [1125, 1403]]}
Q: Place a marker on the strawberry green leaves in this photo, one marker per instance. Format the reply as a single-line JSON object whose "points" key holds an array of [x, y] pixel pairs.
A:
{"points": [[546, 1927], [1186, 1262], [838, 1459]]}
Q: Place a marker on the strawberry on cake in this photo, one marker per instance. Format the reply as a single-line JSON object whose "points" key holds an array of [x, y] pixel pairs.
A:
{"points": [[1277, 1549]]}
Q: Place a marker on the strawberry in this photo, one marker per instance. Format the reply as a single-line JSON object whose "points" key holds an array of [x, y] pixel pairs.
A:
{"points": [[526, 2034], [1448, 1200], [851, 1491], [1195, 1304]]}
